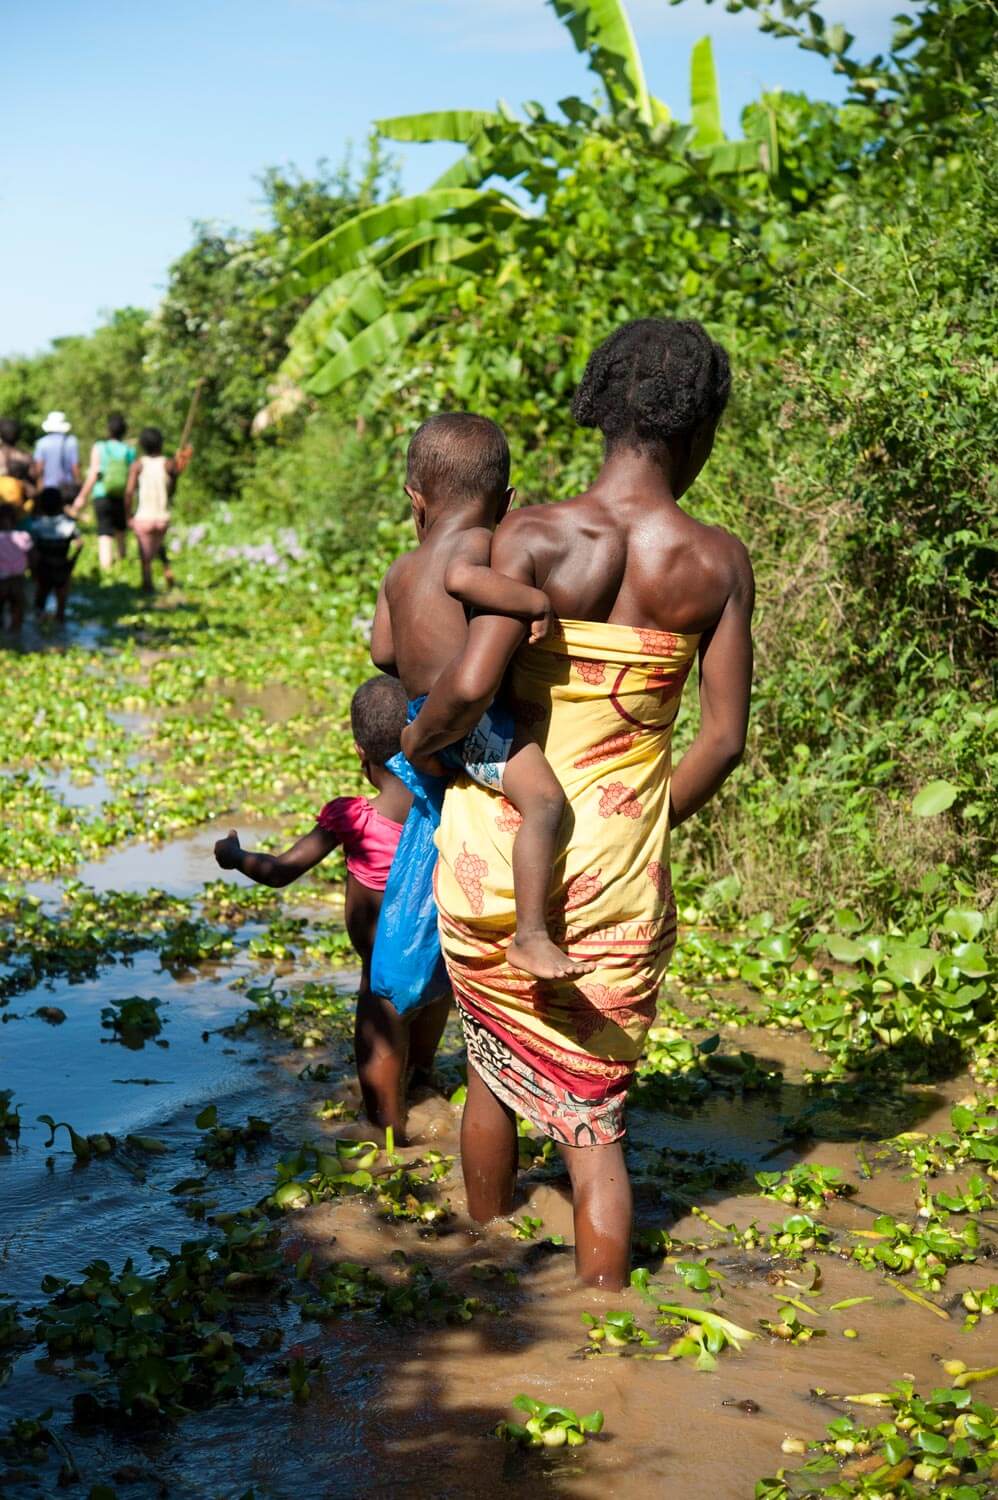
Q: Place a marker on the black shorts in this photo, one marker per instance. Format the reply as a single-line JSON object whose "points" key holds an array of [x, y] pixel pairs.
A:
{"points": [[110, 513]]}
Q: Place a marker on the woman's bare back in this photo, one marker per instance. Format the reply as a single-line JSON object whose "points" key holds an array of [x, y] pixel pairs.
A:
{"points": [[626, 563]]}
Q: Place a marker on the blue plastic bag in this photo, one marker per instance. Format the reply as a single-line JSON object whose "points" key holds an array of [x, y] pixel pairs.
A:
{"points": [[407, 966]]}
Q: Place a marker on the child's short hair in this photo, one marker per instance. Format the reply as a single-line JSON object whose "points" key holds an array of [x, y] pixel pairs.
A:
{"points": [[151, 441], [50, 502], [9, 430], [457, 455], [378, 717]]}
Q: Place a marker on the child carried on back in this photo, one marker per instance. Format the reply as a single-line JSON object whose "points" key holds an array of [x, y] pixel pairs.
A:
{"points": [[457, 480], [368, 830]]}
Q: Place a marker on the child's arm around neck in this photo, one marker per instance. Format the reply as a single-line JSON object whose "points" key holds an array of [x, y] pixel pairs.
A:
{"points": [[471, 579]]}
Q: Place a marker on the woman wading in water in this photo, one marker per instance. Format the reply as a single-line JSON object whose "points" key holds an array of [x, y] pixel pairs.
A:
{"points": [[640, 589]]}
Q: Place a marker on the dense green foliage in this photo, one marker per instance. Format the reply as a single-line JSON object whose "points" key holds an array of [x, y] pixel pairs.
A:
{"points": [[844, 253]]}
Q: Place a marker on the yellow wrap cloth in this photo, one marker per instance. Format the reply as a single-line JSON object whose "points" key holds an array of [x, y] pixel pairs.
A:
{"points": [[601, 700]]}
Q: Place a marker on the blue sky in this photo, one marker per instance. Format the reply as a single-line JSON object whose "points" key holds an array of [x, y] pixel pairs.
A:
{"points": [[132, 120]]}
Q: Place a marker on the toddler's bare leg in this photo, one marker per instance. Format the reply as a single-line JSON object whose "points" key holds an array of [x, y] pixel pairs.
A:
{"points": [[425, 1031], [602, 1208], [535, 791], [488, 1151], [381, 1049]]}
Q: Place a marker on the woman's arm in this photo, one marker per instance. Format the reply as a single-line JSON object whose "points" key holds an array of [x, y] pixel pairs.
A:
{"points": [[725, 691], [276, 870], [93, 474], [131, 486]]}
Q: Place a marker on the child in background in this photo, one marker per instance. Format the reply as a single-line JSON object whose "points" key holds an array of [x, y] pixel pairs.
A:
{"points": [[369, 831], [153, 478], [17, 486], [15, 553], [57, 542]]}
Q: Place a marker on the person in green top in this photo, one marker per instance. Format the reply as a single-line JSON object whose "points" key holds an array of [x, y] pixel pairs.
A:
{"points": [[107, 478]]}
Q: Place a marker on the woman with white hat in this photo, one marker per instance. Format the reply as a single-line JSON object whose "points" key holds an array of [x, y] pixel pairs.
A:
{"points": [[57, 457]]}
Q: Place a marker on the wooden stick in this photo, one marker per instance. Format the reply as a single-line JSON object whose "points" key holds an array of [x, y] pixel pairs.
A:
{"points": [[191, 410]]}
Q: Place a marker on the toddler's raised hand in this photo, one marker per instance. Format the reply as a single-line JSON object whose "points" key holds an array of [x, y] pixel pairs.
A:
{"points": [[540, 626], [228, 850]]}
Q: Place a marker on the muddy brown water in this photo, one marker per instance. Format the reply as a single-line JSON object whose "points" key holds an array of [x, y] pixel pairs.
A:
{"points": [[407, 1407]]}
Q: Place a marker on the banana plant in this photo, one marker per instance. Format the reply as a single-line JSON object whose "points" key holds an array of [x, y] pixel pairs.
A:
{"points": [[386, 282]]}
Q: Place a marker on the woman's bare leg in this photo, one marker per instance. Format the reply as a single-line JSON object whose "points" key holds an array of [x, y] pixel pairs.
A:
{"points": [[105, 553], [488, 1151], [603, 1210]]}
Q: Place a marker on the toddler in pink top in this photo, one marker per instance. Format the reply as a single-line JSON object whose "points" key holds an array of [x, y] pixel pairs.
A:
{"points": [[15, 549], [386, 1044]]}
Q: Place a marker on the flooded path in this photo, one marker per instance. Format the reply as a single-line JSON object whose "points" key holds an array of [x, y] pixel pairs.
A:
{"points": [[411, 1404], [412, 1331]]}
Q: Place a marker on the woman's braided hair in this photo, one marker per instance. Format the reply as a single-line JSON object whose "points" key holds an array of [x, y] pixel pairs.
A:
{"points": [[653, 379]]}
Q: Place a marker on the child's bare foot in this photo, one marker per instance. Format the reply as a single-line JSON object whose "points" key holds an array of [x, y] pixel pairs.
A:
{"points": [[536, 954]]}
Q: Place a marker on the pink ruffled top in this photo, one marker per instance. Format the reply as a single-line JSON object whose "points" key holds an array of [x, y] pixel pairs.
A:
{"points": [[368, 838]]}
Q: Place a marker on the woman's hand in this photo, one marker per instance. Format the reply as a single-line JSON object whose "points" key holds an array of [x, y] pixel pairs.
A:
{"points": [[429, 765]]}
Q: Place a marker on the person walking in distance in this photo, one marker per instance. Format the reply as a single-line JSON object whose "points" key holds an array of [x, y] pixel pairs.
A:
{"points": [[152, 480], [57, 457], [105, 484]]}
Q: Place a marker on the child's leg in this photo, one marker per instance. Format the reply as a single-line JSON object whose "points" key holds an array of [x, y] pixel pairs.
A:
{"points": [[61, 595], [381, 1049], [425, 1031], [602, 1209], [120, 543], [489, 1152], [535, 791]]}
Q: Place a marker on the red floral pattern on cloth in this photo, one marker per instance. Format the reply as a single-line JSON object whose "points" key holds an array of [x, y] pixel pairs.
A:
{"points": [[593, 672], [661, 878], [582, 889], [657, 642], [668, 684], [611, 1005], [618, 798], [468, 870], [609, 749], [508, 820]]}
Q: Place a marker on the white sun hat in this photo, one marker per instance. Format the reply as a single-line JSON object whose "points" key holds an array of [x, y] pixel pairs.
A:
{"points": [[57, 421]]}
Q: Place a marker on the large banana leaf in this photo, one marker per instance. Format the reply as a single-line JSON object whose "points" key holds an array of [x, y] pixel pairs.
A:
{"points": [[337, 250], [438, 125], [602, 30], [728, 157], [370, 348], [705, 100]]}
